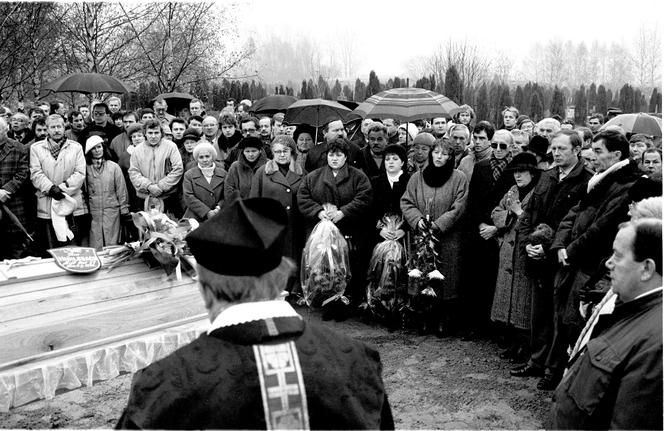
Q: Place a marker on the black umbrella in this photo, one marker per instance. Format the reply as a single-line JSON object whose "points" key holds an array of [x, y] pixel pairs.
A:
{"points": [[87, 83], [175, 100], [272, 104], [315, 112]]}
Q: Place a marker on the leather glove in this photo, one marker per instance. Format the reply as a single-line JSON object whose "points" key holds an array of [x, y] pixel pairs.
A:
{"points": [[55, 193]]}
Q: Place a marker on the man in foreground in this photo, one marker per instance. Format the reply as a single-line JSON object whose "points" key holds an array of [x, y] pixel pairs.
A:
{"points": [[615, 381], [259, 365]]}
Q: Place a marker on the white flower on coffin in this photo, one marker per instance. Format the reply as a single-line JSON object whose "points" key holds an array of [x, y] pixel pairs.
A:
{"points": [[429, 292], [415, 273], [436, 275]]}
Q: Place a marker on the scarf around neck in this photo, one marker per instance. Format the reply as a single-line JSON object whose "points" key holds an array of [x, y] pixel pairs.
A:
{"points": [[207, 172], [498, 165], [437, 176]]}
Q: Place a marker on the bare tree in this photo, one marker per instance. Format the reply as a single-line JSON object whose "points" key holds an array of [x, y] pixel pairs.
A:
{"points": [[347, 45], [647, 56]]}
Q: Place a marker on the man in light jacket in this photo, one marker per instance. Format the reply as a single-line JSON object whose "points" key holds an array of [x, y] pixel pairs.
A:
{"points": [[57, 171], [155, 170]]}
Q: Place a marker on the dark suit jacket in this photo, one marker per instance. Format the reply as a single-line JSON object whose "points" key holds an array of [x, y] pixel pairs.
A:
{"points": [[200, 196], [213, 382]]}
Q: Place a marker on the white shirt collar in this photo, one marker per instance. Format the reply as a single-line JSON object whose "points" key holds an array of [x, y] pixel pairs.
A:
{"points": [[252, 311], [657, 289]]}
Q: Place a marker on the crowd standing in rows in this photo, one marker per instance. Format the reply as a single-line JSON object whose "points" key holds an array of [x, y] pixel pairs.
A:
{"points": [[524, 214]]}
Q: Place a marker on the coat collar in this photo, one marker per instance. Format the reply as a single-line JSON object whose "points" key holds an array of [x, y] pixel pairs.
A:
{"points": [[217, 178]]}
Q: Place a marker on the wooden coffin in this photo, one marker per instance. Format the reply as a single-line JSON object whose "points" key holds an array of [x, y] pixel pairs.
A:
{"points": [[60, 330]]}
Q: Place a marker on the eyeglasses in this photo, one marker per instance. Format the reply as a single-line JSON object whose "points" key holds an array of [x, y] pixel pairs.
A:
{"points": [[501, 146], [282, 152]]}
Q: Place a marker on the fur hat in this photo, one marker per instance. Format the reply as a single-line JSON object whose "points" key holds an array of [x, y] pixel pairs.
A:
{"points": [[522, 162], [538, 145]]}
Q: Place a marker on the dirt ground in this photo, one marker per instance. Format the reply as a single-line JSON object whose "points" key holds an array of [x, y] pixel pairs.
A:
{"points": [[432, 383]]}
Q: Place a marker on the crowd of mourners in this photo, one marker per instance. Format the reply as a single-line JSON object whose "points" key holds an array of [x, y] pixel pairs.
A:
{"points": [[524, 213]]}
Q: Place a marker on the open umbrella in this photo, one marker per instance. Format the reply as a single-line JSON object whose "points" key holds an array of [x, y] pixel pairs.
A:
{"points": [[87, 83], [272, 104], [315, 112], [637, 123], [406, 105]]}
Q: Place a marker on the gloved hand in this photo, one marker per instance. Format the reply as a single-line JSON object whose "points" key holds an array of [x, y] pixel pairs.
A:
{"points": [[55, 193]]}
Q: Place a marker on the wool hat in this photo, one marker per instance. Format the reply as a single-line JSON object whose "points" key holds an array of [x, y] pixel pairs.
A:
{"points": [[245, 238], [250, 142], [92, 142], [136, 127], [396, 149], [522, 162], [424, 138], [644, 188], [538, 145], [285, 140], [192, 134]]}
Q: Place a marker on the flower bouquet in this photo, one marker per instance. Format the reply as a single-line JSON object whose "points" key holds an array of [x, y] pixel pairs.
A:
{"points": [[161, 241], [424, 277], [325, 269], [385, 288]]}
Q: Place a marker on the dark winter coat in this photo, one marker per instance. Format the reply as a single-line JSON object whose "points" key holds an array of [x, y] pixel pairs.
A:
{"points": [[484, 193], [589, 228], [615, 382], [369, 164], [587, 233], [240, 175], [213, 383], [200, 197], [552, 199], [387, 199], [14, 173], [350, 191], [270, 182]]}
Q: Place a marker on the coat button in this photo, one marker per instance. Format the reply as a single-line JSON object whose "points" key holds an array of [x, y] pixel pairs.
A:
{"points": [[288, 207], [288, 190]]}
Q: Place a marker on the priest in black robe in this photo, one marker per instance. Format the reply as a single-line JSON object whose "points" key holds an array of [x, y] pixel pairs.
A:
{"points": [[259, 365]]}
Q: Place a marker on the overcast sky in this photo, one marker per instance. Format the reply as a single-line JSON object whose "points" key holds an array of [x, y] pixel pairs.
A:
{"points": [[388, 30]]}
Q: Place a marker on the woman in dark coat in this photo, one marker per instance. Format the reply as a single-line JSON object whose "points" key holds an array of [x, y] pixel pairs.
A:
{"points": [[438, 193], [241, 172], [389, 187], [512, 300], [350, 191], [280, 180], [203, 185]]}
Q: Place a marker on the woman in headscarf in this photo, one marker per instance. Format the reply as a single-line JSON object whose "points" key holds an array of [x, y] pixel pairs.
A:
{"points": [[280, 180], [241, 171], [203, 185], [513, 294], [437, 196], [106, 192], [304, 140]]}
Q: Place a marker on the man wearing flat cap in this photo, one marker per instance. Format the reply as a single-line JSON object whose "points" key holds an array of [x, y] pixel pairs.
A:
{"points": [[259, 365]]}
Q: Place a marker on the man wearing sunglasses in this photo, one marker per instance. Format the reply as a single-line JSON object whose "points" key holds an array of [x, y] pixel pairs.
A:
{"points": [[487, 186]]}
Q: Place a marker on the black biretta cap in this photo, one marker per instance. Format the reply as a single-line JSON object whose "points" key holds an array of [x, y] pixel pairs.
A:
{"points": [[246, 238]]}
